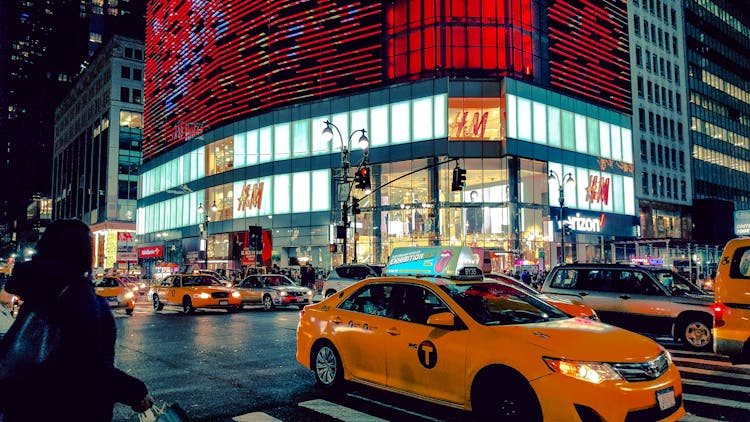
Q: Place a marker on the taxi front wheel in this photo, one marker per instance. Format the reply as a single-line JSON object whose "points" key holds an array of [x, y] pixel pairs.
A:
{"points": [[504, 395], [326, 363], [158, 306], [187, 305]]}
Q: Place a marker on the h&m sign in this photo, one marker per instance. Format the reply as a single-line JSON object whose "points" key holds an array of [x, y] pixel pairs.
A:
{"points": [[250, 197]]}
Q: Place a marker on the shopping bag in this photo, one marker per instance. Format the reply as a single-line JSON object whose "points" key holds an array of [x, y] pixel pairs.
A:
{"points": [[164, 412]]}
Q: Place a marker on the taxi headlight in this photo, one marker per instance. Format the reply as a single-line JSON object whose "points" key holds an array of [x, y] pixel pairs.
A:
{"points": [[236, 294], [203, 295], [593, 372], [283, 293], [128, 295]]}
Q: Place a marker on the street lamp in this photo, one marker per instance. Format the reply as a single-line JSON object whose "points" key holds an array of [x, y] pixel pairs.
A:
{"points": [[567, 178], [363, 143], [204, 228]]}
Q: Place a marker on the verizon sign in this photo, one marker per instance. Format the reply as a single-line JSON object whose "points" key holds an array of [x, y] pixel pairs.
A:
{"points": [[151, 252]]}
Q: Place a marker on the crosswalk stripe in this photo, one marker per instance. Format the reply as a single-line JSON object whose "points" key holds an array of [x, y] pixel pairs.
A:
{"points": [[339, 412], [684, 369], [716, 401], [255, 417], [703, 361], [725, 387], [409, 412]]}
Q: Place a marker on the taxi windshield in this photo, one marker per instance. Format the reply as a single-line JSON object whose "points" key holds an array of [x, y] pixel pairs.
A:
{"points": [[200, 281], [106, 282], [491, 303]]}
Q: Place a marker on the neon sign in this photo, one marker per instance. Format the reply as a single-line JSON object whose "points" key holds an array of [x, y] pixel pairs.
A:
{"points": [[251, 196], [598, 190]]}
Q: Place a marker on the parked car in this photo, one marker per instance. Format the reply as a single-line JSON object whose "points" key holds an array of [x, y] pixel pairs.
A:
{"points": [[632, 297], [345, 275], [271, 290], [117, 292], [194, 291], [447, 335], [569, 306], [732, 307]]}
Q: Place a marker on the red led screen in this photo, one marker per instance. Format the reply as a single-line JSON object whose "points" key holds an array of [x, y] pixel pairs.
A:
{"points": [[212, 61], [427, 38], [588, 43]]}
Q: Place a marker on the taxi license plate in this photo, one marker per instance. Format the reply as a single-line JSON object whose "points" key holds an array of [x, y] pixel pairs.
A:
{"points": [[301, 299], [665, 398], [223, 302]]}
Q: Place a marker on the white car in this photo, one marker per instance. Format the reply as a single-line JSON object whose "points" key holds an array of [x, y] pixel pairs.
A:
{"points": [[345, 275]]}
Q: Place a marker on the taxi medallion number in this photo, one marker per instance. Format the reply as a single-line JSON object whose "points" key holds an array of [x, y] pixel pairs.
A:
{"points": [[665, 398]]}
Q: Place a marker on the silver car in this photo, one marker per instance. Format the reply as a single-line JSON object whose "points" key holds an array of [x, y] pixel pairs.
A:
{"points": [[272, 290], [632, 297]]}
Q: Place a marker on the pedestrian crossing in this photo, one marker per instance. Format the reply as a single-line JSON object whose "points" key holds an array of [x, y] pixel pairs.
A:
{"points": [[713, 390]]}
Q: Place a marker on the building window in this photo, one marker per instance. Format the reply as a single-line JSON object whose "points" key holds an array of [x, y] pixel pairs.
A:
{"points": [[651, 121], [137, 74], [656, 95], [650, 90], [671, 102], [683, 187], [642, 118], [666, 42], [674, 161], [137, 96], [661, 155], [644, 182], [678, 101], [674, 20], [138, 54], [654, 185], [638, 58], [124, 72], [653, 152], [636, 25], [682, 160], [669, 187], [679, 133], [661, 37], [124, 94], [661, 185], [674, 45], [666, 157], [669, 70], [677, 74], [658, 125], [645, 30], [128, 52], [644, 152], [640, 86], [662, 68]]}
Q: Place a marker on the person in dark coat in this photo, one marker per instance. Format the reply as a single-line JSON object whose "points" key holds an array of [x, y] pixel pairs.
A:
{"points": [[308, 276], [86, 384]]}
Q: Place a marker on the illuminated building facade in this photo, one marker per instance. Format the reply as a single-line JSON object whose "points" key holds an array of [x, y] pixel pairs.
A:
{"points": [[237, 100]]}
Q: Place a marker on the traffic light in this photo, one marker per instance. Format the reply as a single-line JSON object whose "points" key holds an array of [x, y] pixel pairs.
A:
{"points": [[567, 230], [362, 179], [355, 206], [255, 240], [459, 179]]}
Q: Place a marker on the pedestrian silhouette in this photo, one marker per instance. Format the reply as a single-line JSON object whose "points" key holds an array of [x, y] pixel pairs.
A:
{"points": [[81, 382]]}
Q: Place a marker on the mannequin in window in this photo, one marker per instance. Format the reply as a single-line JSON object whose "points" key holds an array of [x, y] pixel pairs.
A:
{"points": [[474, 217]]}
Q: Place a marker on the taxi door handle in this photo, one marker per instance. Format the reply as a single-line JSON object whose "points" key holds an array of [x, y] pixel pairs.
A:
{"points": [[624, 297], [583, 294], [393, 331], [336, 320]]}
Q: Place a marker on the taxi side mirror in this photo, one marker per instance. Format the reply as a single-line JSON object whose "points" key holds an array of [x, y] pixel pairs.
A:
{"points": [[442, 320]]}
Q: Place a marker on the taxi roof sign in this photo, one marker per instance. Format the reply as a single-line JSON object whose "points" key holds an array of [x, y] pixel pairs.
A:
{"points": [[435, 261]]}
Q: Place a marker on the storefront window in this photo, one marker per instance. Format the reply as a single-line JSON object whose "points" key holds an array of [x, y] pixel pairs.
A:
{"points": [[220, 156], [475, 119], [223, 197]]}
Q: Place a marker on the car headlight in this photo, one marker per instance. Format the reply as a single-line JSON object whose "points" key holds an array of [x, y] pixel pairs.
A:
{"points": [[203, 295], [283, 293], [309, 292], [236, 294], [135, 288], [129, 295], [593, 372], [143, 285]]}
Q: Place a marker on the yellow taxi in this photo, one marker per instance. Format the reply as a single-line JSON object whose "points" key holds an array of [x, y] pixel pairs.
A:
{"points": [[194, 291], [433, 328], [731, 330], [117, 293]]}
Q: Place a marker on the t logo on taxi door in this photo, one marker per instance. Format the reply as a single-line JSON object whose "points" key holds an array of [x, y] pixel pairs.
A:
{"points": [[427, 354]]}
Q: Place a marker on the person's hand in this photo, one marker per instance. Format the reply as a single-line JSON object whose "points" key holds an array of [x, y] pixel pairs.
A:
{"points": [[143, 405]]}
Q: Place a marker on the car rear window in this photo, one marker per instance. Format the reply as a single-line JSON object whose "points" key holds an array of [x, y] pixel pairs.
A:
{"points": [[357, 273], [740, 263]]}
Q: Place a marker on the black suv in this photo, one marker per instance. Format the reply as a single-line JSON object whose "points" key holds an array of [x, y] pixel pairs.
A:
{"points": [[633, 297]]}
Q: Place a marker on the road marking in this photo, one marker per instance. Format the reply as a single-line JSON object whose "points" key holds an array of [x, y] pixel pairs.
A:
{"points": [[394, 407], [727, 387], [255, 417], [693, 418], [724, 374], [703, 361], [339, 412], [717, 401]]}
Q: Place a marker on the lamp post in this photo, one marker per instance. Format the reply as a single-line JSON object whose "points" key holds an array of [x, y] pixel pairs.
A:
{"points": [[567, 178], [343, 178], [204, 228]]}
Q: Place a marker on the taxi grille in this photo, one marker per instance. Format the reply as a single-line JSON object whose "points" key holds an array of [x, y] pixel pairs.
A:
{"points": [[643, 371], [219, 295]]}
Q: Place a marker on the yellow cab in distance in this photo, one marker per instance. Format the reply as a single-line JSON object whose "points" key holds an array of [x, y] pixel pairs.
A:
{"points": [[433, 328], [732, 302], [117, 293], [194, 291]]}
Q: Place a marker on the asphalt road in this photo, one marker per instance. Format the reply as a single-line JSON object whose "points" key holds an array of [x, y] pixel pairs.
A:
{"points": [[219, 366]]}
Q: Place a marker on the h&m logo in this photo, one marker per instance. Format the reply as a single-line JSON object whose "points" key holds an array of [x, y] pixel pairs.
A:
{"points": [[475, 129], [250, 197], [598, 190]]}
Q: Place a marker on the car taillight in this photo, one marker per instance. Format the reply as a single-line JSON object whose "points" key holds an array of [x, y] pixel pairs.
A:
{"points": [[719, 309], [301, 313]]}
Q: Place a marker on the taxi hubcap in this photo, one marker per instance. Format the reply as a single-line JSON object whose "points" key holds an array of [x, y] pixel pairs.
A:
{"points": [[697, 334], [325, 364]]}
